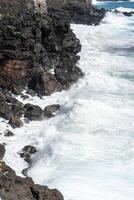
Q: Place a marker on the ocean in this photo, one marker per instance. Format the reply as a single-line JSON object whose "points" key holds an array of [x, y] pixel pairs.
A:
{"points": [[87, 150]]}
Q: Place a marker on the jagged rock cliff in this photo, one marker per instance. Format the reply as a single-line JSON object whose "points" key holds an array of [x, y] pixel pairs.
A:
{"points": [[33, 44]]}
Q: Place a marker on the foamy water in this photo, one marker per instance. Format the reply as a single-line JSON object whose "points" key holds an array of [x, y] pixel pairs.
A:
{"points": [[87, 150], [92, 152]]}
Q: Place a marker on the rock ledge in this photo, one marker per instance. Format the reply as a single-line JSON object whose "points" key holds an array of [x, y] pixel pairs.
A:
{"points": [[13, 187]]}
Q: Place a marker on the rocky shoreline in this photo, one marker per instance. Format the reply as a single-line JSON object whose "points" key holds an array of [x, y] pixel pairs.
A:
{"points": [[38, 55]]}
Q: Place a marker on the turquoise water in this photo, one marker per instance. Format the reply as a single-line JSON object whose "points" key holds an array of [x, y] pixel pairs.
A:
{"points": [[114, 5]]}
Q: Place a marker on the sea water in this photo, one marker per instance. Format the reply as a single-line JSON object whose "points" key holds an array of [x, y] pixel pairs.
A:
{"points": [[87, 150]]}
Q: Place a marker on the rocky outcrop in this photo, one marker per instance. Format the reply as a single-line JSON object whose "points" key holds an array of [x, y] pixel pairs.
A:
{"points": [[38, 52], [127, 14], [13, 110], [82, 14], [31, 46], [58, 3], [13, 187], [19, 7]]}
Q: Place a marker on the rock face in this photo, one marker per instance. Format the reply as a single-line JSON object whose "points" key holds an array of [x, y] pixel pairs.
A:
{"points": [[13, 187], [13, 7], [77, 11], [19, 7], [40, 6], [32, 45], [82, 14], [57, 3]]}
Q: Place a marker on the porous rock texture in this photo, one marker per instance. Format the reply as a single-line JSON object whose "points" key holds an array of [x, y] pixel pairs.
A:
{"points": [[13, 187], [38, 53], [32, 45], [19, 7]]}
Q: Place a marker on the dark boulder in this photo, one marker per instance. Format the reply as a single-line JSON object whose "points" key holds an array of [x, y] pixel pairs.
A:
{"points": [[24, 97], [26, 153], [51, 109], [15, 122], [29, 149], [2, 151], [33, 112], [17, 108]]}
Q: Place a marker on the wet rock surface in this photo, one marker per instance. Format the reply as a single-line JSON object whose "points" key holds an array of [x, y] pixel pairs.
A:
{"points": [[26, 154], [33, 112], [2, 151], [50, 110], [13, 187]]}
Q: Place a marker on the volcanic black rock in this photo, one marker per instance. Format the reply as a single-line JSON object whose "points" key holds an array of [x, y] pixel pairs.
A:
{"points": [[33, 112]]}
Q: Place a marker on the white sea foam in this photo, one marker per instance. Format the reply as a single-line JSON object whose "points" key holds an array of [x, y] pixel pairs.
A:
{"points": [[87, 150], [122, 9]]}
